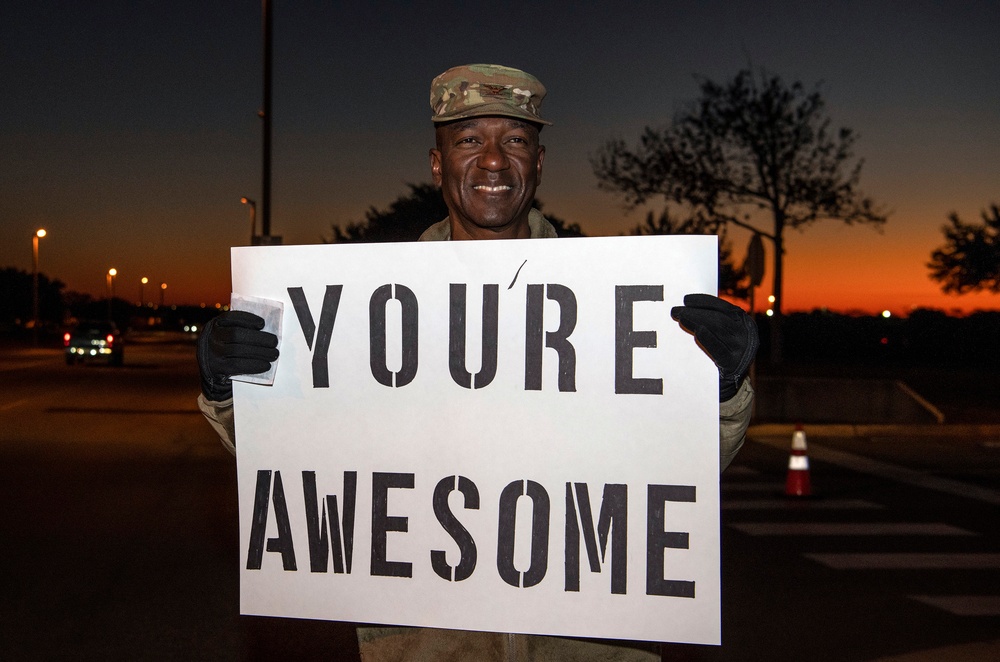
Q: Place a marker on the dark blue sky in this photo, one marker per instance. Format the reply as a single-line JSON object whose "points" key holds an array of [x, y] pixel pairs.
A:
{"points": [[129, 129]]}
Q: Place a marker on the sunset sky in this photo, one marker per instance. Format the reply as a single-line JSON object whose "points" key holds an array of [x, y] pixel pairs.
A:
{"points": [[128, 130]]}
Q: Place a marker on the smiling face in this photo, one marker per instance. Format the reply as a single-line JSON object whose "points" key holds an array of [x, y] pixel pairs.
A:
{"points": [[488, 169]]}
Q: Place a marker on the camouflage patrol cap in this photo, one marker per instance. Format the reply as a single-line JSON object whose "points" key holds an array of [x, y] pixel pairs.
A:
{"points": [[474, 90]]}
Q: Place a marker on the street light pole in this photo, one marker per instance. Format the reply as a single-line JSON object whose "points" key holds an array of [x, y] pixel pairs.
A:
{"points": [[142, 292], [112, 272], [265, 115], [34, 283], [253, 217], [163, 289]]}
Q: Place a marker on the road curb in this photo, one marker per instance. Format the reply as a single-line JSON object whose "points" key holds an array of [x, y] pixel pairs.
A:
{"points": [[971, 652]]}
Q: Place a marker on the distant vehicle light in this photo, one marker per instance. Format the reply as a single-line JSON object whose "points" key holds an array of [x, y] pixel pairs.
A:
{"points": [[194, 328], [94, 339]]}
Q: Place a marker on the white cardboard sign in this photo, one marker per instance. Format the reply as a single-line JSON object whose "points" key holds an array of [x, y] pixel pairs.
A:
{"points": [[508, 436]]}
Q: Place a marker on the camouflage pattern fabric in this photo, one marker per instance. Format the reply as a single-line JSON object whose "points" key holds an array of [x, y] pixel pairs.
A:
{"points": [[474, 90]]}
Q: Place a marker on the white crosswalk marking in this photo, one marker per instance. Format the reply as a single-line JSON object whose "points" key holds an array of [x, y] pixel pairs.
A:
{"points": [[849, 529], [741, 471], [908, 561], [747, 490], [897, 473], [792, 504], [753, 487], [963, 605]]}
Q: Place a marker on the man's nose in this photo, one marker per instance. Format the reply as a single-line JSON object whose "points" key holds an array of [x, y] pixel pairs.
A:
{"points": [[493, 157]]}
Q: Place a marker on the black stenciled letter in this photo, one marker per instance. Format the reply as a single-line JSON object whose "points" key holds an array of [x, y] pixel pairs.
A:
{"points": [[461, 535], [327, 317], [382, 524], [557, 340], [283, 543], [626, 339], [376, 322], [614, 511], [657, 539], [539, 534], [342, 564], [456, 336], [341, 531]]}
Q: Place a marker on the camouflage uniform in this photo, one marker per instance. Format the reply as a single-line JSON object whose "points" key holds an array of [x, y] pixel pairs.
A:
{"points": [[461, 93]]}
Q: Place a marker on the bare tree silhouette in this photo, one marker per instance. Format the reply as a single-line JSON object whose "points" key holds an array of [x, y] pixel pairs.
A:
{"points": [[745, 149]]}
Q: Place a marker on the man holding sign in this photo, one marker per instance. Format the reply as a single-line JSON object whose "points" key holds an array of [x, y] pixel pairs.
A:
{"points": [[488, 163]]}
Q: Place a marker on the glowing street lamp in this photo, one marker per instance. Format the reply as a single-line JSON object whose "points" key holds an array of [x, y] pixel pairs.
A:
{"points": [[142, 292], [34, 281], [253, 216], [163, 289]]}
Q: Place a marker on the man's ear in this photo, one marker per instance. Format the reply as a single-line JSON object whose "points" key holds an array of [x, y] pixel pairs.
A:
{"points": [[538, 167], [435, 155]]}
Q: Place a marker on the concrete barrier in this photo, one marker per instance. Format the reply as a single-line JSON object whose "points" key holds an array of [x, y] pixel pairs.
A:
{"points": [[849, 401]]}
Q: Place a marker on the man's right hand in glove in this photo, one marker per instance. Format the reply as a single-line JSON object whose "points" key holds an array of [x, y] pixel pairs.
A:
{"points": [[233, 344]]}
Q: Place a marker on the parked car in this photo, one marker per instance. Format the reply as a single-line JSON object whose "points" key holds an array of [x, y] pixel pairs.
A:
{"points": [[94, 341]]}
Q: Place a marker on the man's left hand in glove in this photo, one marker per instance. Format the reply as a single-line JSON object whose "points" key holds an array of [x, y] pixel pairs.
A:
{"points": [[726, 333]]}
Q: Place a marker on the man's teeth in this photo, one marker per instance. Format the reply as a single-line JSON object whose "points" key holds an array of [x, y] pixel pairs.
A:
{"points": [[492, 189]]}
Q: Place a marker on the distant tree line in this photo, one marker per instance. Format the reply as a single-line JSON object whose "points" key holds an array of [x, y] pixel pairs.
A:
{"points": [[925, 338], [409, 215], [16, 298], [59, 308], [732, 279]]}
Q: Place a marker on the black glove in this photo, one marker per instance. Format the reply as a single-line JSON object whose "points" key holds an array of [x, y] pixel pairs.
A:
{"points": [[726, 333], [233, 344]]}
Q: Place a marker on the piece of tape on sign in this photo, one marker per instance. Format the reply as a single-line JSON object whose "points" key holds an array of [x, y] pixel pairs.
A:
{"points": [[271, 311]]}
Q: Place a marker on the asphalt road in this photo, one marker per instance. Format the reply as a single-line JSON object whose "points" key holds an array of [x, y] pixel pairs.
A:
{"points": [[119, 532]]}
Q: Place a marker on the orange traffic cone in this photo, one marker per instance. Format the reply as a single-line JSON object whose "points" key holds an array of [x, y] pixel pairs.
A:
{"points": [[797, 483]]}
